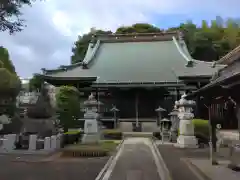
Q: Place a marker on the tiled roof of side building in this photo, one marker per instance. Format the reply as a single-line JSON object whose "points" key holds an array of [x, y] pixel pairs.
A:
{"points": [[230, 57], [137, 58]]}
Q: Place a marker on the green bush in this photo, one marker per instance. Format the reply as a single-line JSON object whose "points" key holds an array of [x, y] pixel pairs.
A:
{"points": [[201, 126], [113, 134]]}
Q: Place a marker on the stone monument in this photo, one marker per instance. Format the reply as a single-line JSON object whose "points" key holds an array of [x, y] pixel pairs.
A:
{"points": [[91, 117], [186, 138]]}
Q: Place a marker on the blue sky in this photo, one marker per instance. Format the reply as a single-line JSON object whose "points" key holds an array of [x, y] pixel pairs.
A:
{"points": [[53, 25]]}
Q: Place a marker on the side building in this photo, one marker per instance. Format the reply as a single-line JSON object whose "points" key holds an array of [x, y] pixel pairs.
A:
{"points": [[137, 73]]}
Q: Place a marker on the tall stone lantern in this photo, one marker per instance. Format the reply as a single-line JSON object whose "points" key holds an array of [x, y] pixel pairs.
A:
{"points": [[91, 117], [186, 138], [175, 123]]}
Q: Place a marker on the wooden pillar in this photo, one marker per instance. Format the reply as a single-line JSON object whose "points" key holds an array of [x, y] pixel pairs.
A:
{"points": [[136, 108], [212, 110]]}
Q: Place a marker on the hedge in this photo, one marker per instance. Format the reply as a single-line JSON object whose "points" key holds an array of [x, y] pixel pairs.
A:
{"points": [[71, 137], [89, 150], [113, 134]]}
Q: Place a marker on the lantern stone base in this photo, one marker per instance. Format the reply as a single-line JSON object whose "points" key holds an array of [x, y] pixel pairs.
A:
{"points": [[90, 138], [184, 141], [91, 131]]}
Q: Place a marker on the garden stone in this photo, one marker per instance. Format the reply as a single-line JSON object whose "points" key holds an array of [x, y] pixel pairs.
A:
{"points": [[53, 142], [32, 142], [47, 143], [9, 142], [59, 138]]}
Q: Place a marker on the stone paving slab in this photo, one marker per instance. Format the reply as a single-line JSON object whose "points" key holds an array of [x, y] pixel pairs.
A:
{"points": [[136, 161], [177, 168], [219, 172]]}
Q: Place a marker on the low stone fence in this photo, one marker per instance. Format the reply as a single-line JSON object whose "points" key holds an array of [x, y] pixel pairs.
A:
{"points": [[8, 142]]}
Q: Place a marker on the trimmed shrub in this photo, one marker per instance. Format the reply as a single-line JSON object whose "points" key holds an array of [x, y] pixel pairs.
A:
{"points": [[201, 127], [112, 134], [84, 153], [71, 137], [89, 150]]}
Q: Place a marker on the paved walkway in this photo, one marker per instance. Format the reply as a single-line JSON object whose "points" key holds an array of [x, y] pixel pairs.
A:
{"points": [[134, 161], [177, 168]]}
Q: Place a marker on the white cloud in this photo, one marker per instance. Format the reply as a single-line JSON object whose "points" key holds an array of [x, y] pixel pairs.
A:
{"points": [[53, 25]]}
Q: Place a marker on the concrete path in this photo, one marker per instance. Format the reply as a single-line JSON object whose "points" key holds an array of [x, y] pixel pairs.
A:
{"points": [[136, 160]]}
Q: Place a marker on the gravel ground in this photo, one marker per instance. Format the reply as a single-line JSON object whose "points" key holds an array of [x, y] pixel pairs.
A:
{"points": [[84, 169]]}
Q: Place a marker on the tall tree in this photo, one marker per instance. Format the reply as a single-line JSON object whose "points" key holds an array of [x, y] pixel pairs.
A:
{"points": [[35, 83], [10, 15], [138, 28], [5, 59], [9, 84]]}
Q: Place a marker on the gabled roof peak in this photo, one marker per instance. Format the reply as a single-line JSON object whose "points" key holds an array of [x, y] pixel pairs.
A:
{"points": [[136, 37]]}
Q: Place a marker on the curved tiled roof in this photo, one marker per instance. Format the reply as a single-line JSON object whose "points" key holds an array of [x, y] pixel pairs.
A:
{"points": [[137, 59]]}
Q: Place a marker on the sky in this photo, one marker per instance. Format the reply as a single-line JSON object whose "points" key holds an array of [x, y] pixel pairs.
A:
{"points": [[52, 26]]}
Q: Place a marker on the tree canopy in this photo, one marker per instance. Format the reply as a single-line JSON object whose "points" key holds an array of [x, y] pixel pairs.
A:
{"points": [[35, 83], [68, 106], [207, 42], [10, 84], [10, 15], [9, 81]]}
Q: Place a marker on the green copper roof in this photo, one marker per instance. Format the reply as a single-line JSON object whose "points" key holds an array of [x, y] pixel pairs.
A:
{"points": [[137, 62]]}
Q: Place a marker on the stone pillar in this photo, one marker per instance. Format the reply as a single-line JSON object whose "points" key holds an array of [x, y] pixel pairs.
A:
{"points": [[32, 142], [59, 137], [186, 138], [53, 142], [47, 143], [9, 142]]}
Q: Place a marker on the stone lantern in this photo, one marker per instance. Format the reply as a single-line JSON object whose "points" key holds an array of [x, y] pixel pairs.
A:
{"points": [[115, 111], [91, 117], [175, 123], [159, 111], [186, 138], [165, 127]]}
